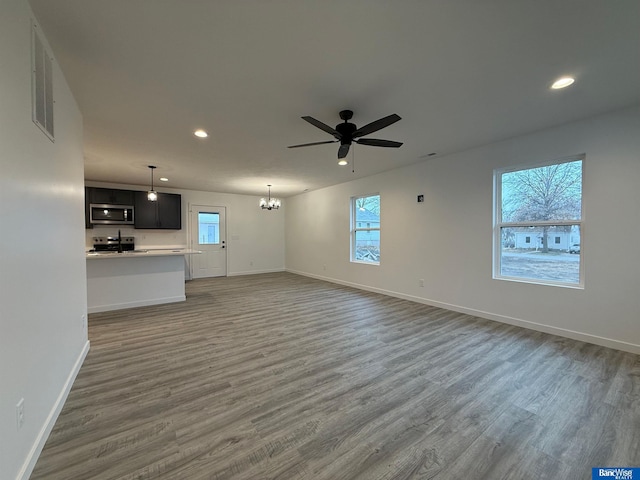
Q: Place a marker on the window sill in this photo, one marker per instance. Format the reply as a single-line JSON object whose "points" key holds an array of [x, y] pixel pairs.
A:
{"points": [[546, 283], [365, 263]]}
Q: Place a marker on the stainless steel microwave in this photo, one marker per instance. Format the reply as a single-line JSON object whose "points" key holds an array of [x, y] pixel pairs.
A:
{"points": [[103, 214]]}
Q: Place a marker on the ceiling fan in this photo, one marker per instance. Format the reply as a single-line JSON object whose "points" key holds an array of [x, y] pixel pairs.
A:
{"points": [[346, 133]]}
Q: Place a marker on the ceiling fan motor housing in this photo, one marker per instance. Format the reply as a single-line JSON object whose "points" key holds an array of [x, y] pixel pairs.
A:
{"points": [[346, 129], [346, 115]]}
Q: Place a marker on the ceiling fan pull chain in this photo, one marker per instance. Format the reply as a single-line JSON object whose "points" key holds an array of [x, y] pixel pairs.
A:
{"points": [[353, 159]]}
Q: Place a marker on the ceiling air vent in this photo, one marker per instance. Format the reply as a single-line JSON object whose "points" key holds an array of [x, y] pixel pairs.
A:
{"points": [[41, 84]]}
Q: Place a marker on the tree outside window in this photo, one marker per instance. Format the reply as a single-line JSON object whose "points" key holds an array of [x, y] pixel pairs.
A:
{"points": [[365, 229], [534, 205]]}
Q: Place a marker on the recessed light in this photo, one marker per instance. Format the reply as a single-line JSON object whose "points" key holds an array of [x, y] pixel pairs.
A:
{"points": [[164, 179], [562, 82], [342, 162], [201, 133]]}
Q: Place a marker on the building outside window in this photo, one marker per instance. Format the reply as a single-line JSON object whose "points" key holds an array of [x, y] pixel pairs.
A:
{"points": [[539, 223], [365, 240], [208, 228]]}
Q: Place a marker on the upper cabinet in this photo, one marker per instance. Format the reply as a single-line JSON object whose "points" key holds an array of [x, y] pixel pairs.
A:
{"points": [[164, 213], [110, 196], [104, 196]]}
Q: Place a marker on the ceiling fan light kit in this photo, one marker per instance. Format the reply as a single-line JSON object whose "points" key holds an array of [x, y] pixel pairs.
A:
{"points": [[346, 133]]}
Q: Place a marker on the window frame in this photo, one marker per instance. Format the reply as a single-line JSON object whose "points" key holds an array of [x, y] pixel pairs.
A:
{"points": [[355, 228], [216, 234], [498, 224], [42, 66]]}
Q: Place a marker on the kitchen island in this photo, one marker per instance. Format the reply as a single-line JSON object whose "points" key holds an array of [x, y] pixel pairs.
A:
{"points": [[135, 278]]}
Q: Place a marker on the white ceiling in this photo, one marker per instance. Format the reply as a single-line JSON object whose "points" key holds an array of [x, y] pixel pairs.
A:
{"points": [[460, 73]]}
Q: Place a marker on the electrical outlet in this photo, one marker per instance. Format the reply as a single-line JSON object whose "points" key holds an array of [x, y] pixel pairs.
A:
{"points": [[20, 413], [324, 267], [421, 282], [251, 264], [84, 321]]}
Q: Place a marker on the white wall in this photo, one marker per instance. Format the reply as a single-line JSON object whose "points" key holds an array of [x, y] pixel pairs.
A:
{"points": [[447, 240], [42, 267], [255, 237]]}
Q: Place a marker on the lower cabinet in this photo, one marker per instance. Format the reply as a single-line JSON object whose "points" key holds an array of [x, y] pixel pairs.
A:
{"points": [[164, 213]]}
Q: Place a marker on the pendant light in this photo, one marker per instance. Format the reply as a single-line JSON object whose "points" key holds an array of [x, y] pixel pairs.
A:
{"points": [[271, 203], [152, 195]]}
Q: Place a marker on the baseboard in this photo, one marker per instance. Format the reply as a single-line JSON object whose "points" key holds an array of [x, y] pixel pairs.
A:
{"points": [[254, 272], [540, 327], [41, 439], [141, 303]]}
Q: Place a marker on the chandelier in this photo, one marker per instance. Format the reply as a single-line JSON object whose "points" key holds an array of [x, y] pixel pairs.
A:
{"points": [[270, 203]]}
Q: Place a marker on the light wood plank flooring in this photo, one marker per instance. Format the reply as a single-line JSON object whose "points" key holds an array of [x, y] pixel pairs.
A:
{"points": [[279, 376]]}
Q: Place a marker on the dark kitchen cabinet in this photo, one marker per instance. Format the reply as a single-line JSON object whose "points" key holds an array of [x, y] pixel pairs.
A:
{"points": [[164, 213], [170, 211], [145, 213], [104, 196], [110, 196], [87, 209]]}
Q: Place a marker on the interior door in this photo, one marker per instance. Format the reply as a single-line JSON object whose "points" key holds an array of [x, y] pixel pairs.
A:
{"points": [[208, 234]]}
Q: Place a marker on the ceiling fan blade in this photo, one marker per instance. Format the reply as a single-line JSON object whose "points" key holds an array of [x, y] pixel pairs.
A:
{"points": [[377, 125], [323, 126], [311, 144], [343, 150], [374, 142]]}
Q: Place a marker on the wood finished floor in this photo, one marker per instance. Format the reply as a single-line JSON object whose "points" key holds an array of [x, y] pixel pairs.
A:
{"points": [[279, 376]]}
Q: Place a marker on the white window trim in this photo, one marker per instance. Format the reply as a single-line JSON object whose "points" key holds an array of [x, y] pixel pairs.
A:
{"points": [[46, 95], [498, 224], [354, 228]]}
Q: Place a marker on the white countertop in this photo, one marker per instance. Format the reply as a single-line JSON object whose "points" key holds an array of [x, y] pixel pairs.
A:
{"points": [[150, 252]]}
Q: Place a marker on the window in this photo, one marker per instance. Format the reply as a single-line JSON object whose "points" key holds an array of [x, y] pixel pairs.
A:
{"points": [[534, 205], [365, 241], [208, 228], [41, 84]]}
